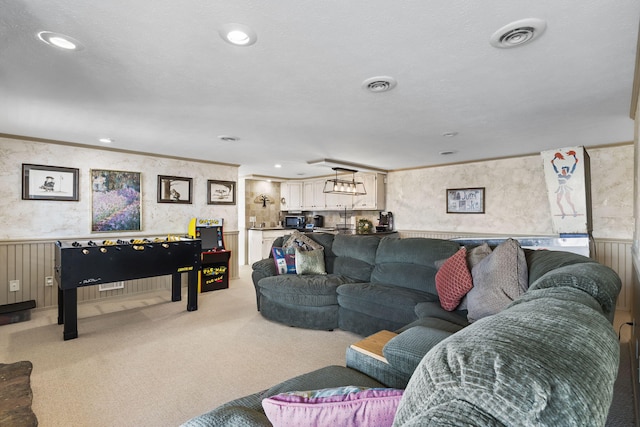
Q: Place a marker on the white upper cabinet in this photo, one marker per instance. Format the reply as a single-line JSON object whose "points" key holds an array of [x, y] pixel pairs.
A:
{"points": [[374, 184], [313, 195], [291, 196], [338, 201], [309, 195]]}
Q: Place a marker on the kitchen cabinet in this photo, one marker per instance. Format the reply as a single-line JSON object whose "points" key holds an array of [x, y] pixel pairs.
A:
{"points": [[291, 196], [374, 184], [260, 242], [338, 201], [313, 197], [309, 195]]}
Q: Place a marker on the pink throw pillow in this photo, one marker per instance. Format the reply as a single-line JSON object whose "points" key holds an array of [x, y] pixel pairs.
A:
{"points": [[344, 406], [453, 280]]}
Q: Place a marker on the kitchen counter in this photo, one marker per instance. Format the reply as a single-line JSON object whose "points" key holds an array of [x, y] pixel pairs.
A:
{"points": [[266, 228]]}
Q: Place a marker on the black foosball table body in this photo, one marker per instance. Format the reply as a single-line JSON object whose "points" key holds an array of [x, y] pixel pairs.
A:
{"points": [[88, 263]]}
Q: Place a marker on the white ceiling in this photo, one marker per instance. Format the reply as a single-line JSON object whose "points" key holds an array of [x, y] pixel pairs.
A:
{"points": [[155, 76]]}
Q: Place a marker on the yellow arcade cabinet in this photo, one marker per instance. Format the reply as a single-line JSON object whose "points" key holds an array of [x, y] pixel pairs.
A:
{"points": [[214, 274]]}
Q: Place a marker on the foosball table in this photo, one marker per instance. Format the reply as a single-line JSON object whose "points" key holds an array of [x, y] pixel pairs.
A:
{"points": [[88, 263]]}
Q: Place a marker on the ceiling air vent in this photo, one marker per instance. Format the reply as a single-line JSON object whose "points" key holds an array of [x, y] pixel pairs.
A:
{"points": [[518, 33], [379, 84]]}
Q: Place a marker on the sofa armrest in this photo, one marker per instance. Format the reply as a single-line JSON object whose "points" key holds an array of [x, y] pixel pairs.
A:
{"points": [[261, 269], [405, 351], [266, 267]]}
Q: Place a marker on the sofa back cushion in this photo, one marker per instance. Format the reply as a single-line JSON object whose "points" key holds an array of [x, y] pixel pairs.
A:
{"points": [[592, 278], [355, 256], [411, 262], [540, 262]]}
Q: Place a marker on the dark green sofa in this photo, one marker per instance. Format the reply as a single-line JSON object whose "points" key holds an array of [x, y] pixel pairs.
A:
{"points": [[550, 358], [372, 283]]}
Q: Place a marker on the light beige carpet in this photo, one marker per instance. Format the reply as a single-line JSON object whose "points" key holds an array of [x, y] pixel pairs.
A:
{"points": [[146, 361]]}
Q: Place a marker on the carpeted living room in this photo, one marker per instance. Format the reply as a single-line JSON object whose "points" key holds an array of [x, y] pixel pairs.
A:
{"points": [[301, 213]]}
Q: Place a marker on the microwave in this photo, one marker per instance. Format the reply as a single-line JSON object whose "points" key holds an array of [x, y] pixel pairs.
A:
{"points": [[294, 221]]}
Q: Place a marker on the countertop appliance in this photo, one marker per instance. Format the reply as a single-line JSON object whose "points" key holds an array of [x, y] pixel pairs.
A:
{"points": [[385, 222], [297, 221], [318, 221]]}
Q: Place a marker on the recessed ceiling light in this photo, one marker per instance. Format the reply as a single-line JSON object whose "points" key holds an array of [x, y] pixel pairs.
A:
{"points": [[447, 153], [106, 140], [449, 134], [518, 33], [228, 138], [277, 166], [238, 34], [60, 41]]}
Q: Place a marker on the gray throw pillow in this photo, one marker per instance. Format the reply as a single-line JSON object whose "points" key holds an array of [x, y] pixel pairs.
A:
{"points": [[498, 279], [477, 254], [474, 256]]}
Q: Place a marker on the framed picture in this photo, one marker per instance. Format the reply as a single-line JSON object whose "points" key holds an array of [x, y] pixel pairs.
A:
{"points": [[465, 200], [115, 201], [173, 189], [221, 192], [49, 183]]}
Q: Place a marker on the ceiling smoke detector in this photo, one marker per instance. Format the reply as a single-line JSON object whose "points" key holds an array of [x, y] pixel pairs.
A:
{"points": [[379, 84], [518, 33]]}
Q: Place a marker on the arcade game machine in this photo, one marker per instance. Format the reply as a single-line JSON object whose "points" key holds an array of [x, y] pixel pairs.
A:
{"points": [[214, 274]]}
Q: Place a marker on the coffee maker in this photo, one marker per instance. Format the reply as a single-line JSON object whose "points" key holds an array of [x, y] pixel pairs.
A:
{"points": [[385, 222]]}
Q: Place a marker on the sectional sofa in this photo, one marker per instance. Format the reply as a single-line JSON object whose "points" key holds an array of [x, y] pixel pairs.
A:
{"points": [[547, 355]]}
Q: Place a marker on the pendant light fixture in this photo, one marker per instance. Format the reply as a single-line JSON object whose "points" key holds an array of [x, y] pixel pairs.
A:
{"points": [[349, 187]]}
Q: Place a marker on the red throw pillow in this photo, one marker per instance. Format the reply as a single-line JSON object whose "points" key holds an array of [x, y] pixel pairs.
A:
{"points": [[453, 280]]}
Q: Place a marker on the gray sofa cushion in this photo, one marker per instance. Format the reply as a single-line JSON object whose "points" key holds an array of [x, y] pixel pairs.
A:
{"points": [[528, 365], [393, 303], [433, 309], [595, 279], [540, 262], [435, 323], [410, 262], [355, 256], [405, 351], [306, 290]]}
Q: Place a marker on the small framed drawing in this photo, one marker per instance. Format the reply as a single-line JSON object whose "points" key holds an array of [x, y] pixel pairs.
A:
{"points": [[221, 192], [49, 183], [465, 200], [173, 189]]}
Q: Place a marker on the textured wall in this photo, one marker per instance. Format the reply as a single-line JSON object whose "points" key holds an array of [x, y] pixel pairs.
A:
{"points": [[39, 219], [516, 195], [268, 215]]}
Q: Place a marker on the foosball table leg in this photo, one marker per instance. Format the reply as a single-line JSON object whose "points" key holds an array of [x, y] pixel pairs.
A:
{"points": [[192, 290], [176, 287], [69, 313]]}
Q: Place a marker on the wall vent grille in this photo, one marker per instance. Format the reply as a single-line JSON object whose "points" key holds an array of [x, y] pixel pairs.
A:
{"points": [[110, 286]]}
